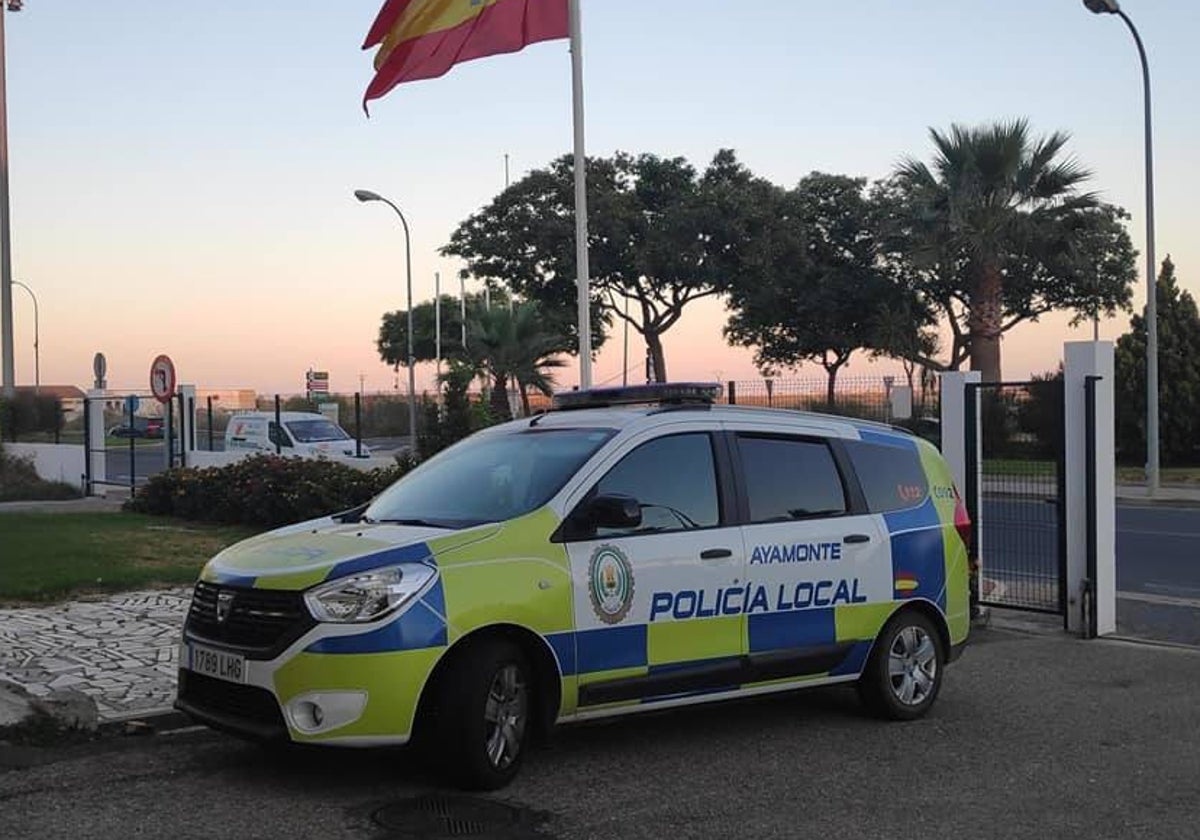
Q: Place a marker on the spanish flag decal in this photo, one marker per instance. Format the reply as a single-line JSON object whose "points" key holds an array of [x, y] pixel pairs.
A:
{"points": [[423, 39], [906, 584]]}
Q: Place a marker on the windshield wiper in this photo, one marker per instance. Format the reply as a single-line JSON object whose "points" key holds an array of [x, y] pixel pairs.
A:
{"points": [[415, 522]]}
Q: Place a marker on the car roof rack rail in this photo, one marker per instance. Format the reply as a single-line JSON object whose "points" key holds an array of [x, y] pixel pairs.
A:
{"points": [[674, 394]]}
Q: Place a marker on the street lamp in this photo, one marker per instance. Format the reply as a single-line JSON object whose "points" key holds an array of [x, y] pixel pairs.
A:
{"points": [[37, 364], [365, 196], [1112, 7]]}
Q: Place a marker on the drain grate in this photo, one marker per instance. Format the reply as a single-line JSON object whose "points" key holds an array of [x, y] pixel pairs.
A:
{"points": [[439, 815]]}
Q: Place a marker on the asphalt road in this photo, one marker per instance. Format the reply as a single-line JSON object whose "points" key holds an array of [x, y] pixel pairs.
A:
{"points": [[1158, 547], [1033, 737], [1158, 562]]}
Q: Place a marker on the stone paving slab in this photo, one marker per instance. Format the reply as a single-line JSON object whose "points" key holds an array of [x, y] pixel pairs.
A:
{"points": [[121, 650]]}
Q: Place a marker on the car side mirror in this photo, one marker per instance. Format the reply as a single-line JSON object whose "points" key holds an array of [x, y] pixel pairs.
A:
{"points": [[613, 512]]}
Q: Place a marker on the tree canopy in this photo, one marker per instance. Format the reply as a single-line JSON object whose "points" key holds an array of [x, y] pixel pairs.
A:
{"points": [[821, 292], [1178, 377], [660, 235], [997, 231]]}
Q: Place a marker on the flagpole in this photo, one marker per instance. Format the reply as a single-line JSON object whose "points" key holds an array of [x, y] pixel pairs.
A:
{"points": [[581, 226]]}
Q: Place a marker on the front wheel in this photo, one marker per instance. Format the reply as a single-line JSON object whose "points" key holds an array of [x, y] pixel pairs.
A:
{"points": [[904, 672], [483, 715]]}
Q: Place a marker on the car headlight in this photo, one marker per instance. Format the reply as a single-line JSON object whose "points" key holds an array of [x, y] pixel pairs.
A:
{"points": [[370, 595]]}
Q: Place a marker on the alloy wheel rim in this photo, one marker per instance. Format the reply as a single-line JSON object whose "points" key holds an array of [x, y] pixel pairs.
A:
{"points": [[506, 713], [912, 666]]}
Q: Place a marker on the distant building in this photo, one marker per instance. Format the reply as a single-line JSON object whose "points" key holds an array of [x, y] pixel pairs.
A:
{"points": [[227, 399]]}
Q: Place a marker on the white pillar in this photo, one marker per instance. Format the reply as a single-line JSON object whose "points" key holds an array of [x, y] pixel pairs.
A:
{"points": [[1082, 360], [97, 454], [954, 428], [187, 419], [955, 439]]}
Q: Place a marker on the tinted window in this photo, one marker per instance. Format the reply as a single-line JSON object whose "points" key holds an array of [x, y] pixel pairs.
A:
{"points": [[891, 476], [675, 480], [489, 478], [790, 479]]}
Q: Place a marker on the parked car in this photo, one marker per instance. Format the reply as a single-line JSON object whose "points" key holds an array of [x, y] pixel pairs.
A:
{"points": [[143, 427], [300, 433], [634, 549]]}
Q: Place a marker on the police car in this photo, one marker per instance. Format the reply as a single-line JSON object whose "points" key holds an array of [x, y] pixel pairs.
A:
{"points": [[632, 549]]}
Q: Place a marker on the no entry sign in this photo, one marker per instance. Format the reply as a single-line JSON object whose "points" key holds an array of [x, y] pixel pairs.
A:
{"points": [[162, 378]]}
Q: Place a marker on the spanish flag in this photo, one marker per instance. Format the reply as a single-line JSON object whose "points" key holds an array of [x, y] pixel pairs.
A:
{"points": [[423, 39]]}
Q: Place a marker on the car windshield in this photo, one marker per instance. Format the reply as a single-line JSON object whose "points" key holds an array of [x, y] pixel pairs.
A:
{"points": [[312, 431], [489, 478]]}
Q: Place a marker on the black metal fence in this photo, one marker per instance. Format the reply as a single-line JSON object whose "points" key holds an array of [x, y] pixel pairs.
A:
{"points": [[1019, 516]]}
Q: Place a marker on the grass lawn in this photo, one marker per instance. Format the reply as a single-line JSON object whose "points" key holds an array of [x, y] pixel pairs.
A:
{"points": [[1125, 475], [51, 556]]}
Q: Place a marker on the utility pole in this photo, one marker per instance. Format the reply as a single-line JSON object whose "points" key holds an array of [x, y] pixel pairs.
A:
{"points": [[8, 381]]}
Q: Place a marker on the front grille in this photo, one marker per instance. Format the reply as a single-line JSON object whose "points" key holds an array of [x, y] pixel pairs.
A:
{"points": [[246, 708], [258, 622]]}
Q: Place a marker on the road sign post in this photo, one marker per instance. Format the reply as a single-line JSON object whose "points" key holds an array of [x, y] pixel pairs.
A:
{"points": [[162, 385]]}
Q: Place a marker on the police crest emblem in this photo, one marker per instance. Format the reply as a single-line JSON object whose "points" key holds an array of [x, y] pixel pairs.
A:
{"points": [[610, 584]]}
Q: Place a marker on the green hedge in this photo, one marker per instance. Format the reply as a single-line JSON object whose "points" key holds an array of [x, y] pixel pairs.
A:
{"points": [[263, 490]]}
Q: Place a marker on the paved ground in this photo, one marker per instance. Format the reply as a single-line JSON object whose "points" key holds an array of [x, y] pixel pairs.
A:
{"points": [[1038, 736], [120, 650]]}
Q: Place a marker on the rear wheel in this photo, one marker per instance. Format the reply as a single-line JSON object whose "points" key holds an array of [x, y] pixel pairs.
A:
{"points": [[483, 714], [904, 672]]}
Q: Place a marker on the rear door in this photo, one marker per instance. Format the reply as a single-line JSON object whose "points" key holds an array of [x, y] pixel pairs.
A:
{"points": [[817, 563], [654, 613]]}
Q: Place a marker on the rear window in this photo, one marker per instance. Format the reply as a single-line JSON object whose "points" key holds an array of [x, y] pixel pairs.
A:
{"points": [[892, 477], [788, 478]]}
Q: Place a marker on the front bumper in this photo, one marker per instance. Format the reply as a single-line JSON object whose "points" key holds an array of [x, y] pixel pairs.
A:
{"points": [[243, 710]]}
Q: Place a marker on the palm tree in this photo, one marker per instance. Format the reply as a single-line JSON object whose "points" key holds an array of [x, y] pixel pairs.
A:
{"points": [[985, 207], [518, 345]]}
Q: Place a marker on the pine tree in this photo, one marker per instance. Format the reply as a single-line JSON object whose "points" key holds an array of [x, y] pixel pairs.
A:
{"points": [[1178, 378]]}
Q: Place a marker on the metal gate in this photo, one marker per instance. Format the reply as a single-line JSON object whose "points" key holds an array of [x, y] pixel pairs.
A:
{"points": [[1019, 508], [136, 438]]}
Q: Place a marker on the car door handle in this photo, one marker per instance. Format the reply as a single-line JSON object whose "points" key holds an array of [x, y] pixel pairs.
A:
{"points": [[856, 538], [715, 553]]}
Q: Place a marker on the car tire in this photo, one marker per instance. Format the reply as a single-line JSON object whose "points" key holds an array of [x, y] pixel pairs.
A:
{"points": [[903, 674], [483, 715]]}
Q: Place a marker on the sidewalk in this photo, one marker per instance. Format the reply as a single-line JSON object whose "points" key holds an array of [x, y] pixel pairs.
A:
{"points": [[121, 650]]}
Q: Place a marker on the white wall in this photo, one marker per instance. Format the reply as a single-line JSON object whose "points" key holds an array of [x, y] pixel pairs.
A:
{"points": [[53, 461]]}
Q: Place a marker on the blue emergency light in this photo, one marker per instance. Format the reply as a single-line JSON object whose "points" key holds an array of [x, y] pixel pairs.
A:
{"points": [[663, 393]]}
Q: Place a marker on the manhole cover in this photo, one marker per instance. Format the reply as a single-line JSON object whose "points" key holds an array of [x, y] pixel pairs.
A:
{"points": [[440, 815]]}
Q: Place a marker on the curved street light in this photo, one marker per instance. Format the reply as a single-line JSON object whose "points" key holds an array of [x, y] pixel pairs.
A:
{"points": [[1112, 7], [365, 196], [37, 364]]}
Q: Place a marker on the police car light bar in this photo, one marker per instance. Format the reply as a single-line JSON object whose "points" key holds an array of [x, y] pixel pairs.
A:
{"points": [[704, 393]]}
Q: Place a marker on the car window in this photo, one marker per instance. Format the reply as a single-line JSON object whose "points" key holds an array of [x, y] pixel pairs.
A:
{"points": [[313, 431], [892, 477], [790, 478], [275, 436], [673, 478], [490, 478]]}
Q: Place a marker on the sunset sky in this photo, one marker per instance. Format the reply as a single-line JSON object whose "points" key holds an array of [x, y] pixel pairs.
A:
{"points": [[182, 173]]}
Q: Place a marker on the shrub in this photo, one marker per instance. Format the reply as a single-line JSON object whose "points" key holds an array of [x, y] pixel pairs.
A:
{"points": [[19, 482], [28, 414], [263, 490]]}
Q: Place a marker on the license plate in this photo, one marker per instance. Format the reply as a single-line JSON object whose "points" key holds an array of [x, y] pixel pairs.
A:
{"points": [[221, 664]]}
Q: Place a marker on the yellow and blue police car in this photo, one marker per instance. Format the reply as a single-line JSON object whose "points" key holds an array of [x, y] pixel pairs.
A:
{"points": [[632, 549]]}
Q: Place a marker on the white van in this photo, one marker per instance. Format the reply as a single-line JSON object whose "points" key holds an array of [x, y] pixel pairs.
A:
{"points": [[303, 434]]}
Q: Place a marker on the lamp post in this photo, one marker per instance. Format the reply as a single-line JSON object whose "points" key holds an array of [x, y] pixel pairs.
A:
{"points": [[37, 363], [8, 378], [364, 196], [1112, 7]]}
